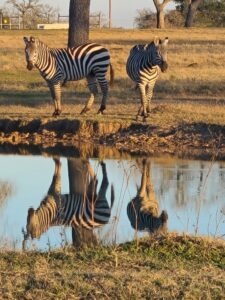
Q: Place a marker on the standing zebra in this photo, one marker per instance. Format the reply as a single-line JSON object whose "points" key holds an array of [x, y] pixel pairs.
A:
{"points": [[143, 67], [89, 209], [143, 210], [57, 66]]}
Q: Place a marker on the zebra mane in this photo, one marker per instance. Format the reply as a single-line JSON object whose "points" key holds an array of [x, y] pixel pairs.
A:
{"points": [[42, 44]]}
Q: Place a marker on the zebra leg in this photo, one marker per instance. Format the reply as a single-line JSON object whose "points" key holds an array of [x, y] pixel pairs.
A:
{"points": [[149, 93], [104, 184], [55, 90], [92, 85], [104, 88], [143, 108], [55, 187]]}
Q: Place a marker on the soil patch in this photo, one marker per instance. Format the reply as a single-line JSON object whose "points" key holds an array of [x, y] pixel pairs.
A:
{"points": [[189, 140]]}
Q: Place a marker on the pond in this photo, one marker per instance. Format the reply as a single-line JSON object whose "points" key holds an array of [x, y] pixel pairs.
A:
{"points": [[112, 201]]}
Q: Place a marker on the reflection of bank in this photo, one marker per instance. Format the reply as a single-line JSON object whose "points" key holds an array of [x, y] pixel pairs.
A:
{"points": [[84, 209], [143, 210]]}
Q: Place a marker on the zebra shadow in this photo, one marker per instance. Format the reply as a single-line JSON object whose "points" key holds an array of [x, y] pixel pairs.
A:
{"points": [[143, 209], [84, 209]]}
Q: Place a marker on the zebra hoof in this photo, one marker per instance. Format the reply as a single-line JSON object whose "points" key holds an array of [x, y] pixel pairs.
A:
{"points": [[139, 118], [84, 110], [100, 112], [56, 113], [101, 109]]}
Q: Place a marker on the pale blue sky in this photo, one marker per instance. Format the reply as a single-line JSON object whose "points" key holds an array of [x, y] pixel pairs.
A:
{"points": [[123, 11]]}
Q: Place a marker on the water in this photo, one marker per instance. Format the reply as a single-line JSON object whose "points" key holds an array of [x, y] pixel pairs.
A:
{"points": [[191, 192]]}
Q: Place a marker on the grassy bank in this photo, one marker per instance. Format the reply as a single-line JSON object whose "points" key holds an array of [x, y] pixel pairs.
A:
{"points": [[172, 267]]}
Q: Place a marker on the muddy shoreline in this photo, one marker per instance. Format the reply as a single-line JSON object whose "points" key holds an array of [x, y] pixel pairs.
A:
{"points": [[74, 137]]}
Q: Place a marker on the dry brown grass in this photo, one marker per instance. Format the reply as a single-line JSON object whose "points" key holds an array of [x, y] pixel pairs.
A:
{"points": [[191, 91], [172, 267]]}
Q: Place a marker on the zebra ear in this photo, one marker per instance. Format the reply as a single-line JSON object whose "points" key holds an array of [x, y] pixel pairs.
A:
{"points": [[165, 41], [156, 41], [32, 39], [26, 41], [30, 212]]}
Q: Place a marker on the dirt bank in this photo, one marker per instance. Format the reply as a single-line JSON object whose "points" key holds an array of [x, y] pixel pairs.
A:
{"points": [[189, 140]]}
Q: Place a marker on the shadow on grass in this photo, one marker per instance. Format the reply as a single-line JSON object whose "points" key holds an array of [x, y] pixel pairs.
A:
{"points": [[122, 90]]}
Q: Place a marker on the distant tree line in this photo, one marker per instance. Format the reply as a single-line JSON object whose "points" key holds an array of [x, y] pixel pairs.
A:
{"points": [[31, 12], [186, 13]]}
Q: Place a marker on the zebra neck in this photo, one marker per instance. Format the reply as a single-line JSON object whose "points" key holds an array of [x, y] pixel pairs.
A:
{"points": [[46, 61], [47, 212]]}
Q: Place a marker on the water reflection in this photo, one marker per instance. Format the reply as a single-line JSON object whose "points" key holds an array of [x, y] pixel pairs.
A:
{"points": [[82, 207], [143, 210]]}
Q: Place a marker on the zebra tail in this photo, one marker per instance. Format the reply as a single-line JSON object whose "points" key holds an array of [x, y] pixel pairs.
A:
{"points": [[112, 195], [112, 73]]}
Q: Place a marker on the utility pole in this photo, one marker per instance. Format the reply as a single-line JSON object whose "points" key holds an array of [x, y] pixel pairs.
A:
{"points": [[110, 14]]}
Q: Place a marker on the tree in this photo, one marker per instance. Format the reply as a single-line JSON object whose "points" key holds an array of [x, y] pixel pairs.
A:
{"points": [[159, 12], [79, 12], [192, 7], [32, 12], [23, 7], [146, 18]]}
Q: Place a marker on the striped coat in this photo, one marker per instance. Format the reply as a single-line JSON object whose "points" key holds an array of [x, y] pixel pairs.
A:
{"points": [[89, 210], [143, 210], [143, 66], [58, 65]]}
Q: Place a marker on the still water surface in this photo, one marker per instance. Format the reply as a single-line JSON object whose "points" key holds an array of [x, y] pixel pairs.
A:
{"points": [[190, 193]]}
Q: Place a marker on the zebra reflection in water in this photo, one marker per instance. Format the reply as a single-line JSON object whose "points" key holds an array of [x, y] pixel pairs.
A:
{"points": [[143, 210], [86, 208]]}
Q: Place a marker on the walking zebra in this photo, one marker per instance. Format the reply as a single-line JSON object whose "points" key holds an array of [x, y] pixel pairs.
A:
{"points": [[57, 66], [143, 67], [89, 209], [143, 210]]}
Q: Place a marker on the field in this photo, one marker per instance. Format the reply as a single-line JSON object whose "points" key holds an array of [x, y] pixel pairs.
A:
{"points": [[187, 120], [188, 103]]}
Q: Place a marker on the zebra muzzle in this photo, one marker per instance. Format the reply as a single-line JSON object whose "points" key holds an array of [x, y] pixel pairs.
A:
{"points": [[164, 66], [29, 65]]}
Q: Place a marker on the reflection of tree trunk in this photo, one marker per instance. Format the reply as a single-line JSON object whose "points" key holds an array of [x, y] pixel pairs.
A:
{"points": [[192, 7], [78, 173], [78, 22]]}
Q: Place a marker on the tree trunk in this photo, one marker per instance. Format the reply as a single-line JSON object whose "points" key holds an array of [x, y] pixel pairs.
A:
{"points": [[78, 22], [160, 18], [159, 12], [191, 12]]}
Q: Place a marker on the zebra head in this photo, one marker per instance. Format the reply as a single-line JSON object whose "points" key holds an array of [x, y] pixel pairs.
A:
{"points": [[33, 227], [158, 52], [31, 52]]}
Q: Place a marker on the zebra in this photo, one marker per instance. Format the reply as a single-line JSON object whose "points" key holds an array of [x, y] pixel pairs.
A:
{"points": [[89, 209], [143, 67], [143, 210], [59, 65]]}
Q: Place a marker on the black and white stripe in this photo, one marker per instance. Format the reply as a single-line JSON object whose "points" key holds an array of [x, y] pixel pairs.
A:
{"points": [[142, 220], [58, 65], [143, 67], [89, 210], [143, 210]]}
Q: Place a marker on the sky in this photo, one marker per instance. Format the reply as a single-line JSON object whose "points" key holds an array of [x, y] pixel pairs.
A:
{"points": [[123, 11]]}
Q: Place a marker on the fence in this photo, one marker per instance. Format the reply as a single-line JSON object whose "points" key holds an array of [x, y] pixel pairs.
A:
{"points": [[9, 22]]}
